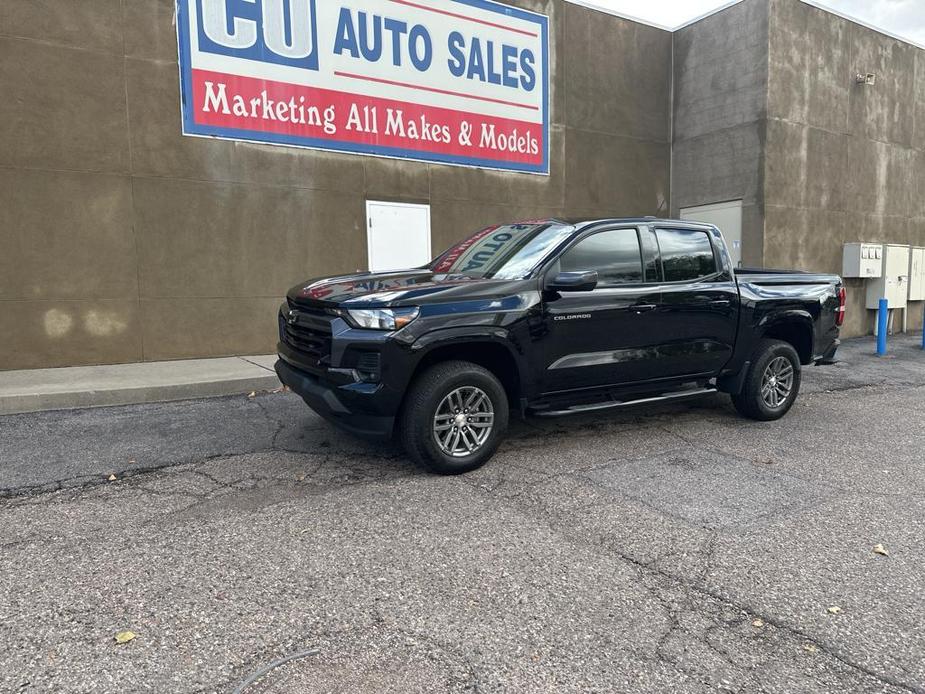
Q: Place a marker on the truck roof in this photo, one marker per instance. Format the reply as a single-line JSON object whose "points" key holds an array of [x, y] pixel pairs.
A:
{"points": [[587, 221]]}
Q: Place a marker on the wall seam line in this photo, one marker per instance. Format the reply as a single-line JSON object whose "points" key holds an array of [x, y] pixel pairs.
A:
{"points": [[131, 166]]}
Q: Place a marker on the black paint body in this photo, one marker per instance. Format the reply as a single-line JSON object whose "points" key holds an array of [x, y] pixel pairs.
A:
{"points": [[550, 349]]}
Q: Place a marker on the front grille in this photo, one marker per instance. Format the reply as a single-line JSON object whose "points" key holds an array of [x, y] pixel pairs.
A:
{"points": [[309, 333]]}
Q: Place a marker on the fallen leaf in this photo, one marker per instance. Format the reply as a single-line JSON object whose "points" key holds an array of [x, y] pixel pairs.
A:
{"points": [[810, 648], [834, 609], [301, 478], [758, 623], [131, 461], [113, 478], [880, 549], [125, 636], [252, 394]]}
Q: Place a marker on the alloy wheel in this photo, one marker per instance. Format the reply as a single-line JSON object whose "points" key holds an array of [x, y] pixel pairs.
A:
{"points": [[777, 383], [463, 421]]}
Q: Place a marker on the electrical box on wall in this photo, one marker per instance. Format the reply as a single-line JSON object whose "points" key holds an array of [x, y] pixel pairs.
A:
{"points": [[862, 260], [917, 275], [893, 284]]}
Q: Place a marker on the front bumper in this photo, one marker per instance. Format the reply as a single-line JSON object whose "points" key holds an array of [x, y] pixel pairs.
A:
{"points": [[360, 409]]}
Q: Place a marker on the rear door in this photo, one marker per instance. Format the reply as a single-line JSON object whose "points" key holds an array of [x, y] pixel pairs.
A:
{"points": [[697, 317], [602, 337], [727, 216]]}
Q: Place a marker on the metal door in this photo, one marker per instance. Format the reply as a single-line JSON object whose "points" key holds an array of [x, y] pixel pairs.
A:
{"points": [[398, 235], [727, 217]]}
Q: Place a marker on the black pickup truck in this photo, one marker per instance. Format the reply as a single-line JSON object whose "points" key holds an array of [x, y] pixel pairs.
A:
{"points": [[551, 317]]}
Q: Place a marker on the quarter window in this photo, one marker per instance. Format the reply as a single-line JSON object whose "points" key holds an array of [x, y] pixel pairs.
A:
{"points": [[686, 254], [614, 254]]}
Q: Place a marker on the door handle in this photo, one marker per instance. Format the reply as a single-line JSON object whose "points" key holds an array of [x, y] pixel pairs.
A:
{"points": [[720, 302], [642, 308]]}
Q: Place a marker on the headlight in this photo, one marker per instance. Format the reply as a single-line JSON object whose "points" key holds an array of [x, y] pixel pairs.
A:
{"points": [[381, 318]]}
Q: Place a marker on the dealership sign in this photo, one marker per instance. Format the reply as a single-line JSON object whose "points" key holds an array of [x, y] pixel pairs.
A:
{"points": [[454, 81]]}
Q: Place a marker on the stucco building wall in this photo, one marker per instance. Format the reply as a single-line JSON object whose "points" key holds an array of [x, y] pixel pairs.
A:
{"points": [[720, 116], [767, 110], [124, 241], [121, 240], [844, 162]]}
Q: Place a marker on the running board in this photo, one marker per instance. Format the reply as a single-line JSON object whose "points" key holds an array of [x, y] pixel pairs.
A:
{"points": [[580, 409]]}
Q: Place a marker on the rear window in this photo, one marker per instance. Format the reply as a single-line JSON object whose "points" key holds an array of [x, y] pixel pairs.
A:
{"points": [[686, 254]]}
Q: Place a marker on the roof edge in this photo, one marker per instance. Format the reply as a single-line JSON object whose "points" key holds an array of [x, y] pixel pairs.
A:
{"points": [[880, 30], [818, 4], [707, 15], [591, 5]]}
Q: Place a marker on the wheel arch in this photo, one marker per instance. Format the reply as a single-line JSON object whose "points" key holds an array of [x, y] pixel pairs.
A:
{"points": [[489, 350], [796, 329]]}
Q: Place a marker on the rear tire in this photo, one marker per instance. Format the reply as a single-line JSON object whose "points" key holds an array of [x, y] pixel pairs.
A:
{"points": [[772, 384], [454, 418]]}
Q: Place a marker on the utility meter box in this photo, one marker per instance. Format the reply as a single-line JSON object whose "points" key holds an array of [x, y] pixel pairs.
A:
{"points": [[893, 284], [917, 275], [862, 260]]}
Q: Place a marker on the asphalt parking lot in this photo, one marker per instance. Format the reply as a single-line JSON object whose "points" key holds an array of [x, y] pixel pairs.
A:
{"points": [[670, 549]]}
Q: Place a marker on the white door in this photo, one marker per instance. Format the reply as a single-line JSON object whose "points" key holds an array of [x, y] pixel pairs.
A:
{"points": [[725, 215], [398, 235]]}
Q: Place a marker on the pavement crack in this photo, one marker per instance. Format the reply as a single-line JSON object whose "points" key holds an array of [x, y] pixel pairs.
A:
{"points": [[698, 585], [259, 366]]}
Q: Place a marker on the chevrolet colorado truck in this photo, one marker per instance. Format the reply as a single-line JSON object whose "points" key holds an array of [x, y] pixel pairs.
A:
{"points": [[551, 317]]}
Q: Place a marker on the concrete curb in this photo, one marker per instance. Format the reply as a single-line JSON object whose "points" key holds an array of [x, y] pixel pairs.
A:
{"points": [[126, 384]]}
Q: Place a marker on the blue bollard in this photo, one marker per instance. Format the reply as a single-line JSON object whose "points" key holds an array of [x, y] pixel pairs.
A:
{"points": [[882, 314]]}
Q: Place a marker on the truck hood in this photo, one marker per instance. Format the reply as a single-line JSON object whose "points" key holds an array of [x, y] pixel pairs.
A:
{"points": [[400, 288]]}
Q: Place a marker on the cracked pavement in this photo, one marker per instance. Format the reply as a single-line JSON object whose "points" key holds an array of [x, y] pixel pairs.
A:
{"points": [[675, 548]]}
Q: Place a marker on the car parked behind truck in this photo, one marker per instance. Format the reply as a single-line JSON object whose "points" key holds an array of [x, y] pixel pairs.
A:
{"points": [[548, 318]]}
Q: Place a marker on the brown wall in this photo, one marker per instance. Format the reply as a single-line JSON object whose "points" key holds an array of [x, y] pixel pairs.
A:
{"points": [[121, 240], [766, 109], [844, 162], [720, 116]]}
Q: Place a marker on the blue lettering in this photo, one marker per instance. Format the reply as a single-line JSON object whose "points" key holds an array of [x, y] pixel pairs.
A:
{"points": [[374, 52], [509, 62], [346, 35], [493, 76], [457, 61], [419, 35], [476, 67], [398, 29], [272, 31], [528, 78]]}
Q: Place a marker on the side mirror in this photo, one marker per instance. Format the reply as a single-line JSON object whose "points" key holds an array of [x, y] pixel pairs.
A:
{"points": [[573, 282]]}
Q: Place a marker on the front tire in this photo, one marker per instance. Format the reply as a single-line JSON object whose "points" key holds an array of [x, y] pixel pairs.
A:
{"points": [[772, 384], [454, 418]]}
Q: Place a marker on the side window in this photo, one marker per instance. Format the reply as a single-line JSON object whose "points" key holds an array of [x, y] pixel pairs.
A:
{"points": [[614, 254], [686, 254]]}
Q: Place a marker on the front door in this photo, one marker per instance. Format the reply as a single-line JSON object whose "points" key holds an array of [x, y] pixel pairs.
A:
{"points": [[601, 337]]}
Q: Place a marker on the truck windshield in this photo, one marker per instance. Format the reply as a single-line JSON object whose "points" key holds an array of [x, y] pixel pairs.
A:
{"points": [[509, 251]]}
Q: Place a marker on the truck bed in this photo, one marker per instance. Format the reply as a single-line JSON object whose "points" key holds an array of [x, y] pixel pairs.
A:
{"points": [[769, 276]]}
